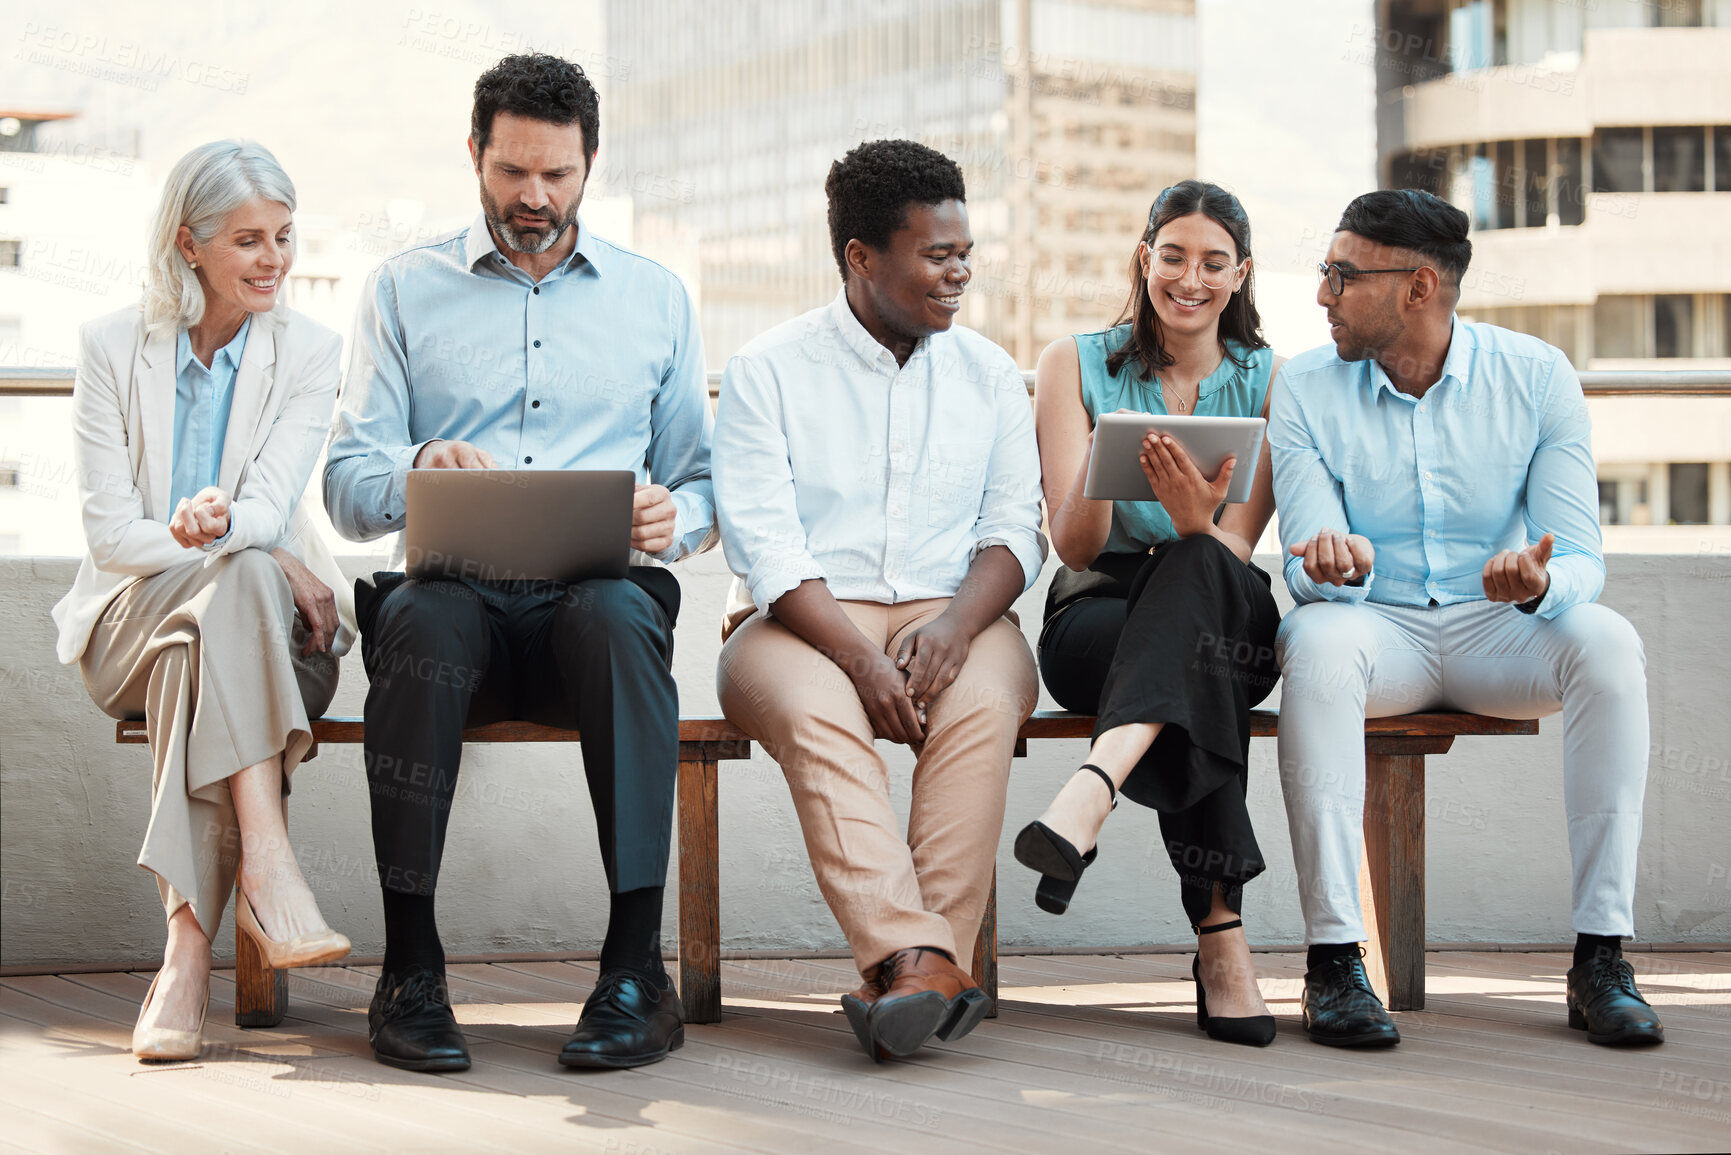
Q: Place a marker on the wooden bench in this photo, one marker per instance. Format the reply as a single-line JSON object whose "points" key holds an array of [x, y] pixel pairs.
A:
{"points": [[1391, 881]]}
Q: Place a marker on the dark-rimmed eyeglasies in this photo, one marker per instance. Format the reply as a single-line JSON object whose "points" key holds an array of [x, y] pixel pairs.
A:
{"points": [[1337, 277]]}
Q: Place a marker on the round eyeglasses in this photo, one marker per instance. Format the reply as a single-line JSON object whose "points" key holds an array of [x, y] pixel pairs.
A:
{"points": [[1214, 272], [1337, 277]]}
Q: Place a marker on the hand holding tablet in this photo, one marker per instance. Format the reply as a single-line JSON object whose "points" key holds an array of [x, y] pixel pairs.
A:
{"points": [[1115, 466]]}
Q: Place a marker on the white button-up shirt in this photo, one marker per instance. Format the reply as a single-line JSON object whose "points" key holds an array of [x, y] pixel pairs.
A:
{"points": [[832, 462]]}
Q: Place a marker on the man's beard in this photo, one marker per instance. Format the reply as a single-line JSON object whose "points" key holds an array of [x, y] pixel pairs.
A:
{"points": [[1369, 346], [519, 240]]}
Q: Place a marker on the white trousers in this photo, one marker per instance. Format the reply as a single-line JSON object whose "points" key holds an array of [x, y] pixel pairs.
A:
{"points": [[1343, 663]]}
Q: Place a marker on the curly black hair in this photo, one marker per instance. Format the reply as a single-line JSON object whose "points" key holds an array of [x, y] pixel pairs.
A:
{"points": [[537, 85], [871, 187]]}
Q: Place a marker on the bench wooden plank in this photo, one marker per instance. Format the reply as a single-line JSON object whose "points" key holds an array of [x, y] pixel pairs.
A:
{"points": [[1044, 724], [1391, 876]]}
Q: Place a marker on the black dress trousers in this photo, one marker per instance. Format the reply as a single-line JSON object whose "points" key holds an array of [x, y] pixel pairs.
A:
{"points": [[592, 655]]}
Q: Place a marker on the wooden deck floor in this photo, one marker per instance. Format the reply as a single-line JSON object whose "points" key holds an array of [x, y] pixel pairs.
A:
{"points": [[1095, 1050]]}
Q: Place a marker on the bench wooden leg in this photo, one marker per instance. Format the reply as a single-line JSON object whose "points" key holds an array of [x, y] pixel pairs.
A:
{"points": [[1391, 882], [986, 950], [699, 890], [260, 993]]}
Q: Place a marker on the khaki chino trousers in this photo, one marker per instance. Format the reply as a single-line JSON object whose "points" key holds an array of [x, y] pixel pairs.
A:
{"points": [[888, 892], [209, 656]]}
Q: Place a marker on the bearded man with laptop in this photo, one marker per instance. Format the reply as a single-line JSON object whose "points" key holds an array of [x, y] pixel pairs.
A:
{"points": [[524, 343]]}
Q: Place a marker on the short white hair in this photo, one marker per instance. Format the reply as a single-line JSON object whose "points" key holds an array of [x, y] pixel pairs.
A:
{"points": [[204, 187]]}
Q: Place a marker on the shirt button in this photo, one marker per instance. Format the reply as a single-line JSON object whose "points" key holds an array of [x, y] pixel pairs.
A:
{"points": [[527, 460], [1421, 408], [536, 290], [1427, 475], [537, 344], [1432, 533], [534, 405]]}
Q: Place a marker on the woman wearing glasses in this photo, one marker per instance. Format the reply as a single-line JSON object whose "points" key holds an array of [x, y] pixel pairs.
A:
{"points": [[206, 602], [1158, 623]]}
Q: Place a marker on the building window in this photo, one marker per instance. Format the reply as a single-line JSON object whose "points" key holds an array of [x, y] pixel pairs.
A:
{"points": [[1617, 161], [1571, 195], [1679, 159], [1503, 185], [1535, 174], [1674, 325], [1688, 493], [1607, 502], [1620, 327], [5, 195], [10, 254], [1722, 158], [1674, 13]]}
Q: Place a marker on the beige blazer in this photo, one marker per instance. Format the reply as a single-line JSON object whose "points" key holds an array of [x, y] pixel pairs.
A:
{"points": [[123, 445]]}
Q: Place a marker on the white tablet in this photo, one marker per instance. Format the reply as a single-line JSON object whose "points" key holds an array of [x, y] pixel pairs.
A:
{"points": [[1115, 468]]}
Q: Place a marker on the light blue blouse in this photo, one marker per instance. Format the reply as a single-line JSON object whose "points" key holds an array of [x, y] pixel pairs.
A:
{"points": [[1236, 388], [202, 400]]}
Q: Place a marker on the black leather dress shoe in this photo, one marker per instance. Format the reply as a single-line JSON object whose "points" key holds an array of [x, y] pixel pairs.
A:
{"points": [[1604, 1003], [410, 1024], [1341, 1009], [627, 1021]]}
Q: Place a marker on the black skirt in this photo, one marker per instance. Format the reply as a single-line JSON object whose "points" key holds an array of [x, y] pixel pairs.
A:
{"points": [[1184, 637]]}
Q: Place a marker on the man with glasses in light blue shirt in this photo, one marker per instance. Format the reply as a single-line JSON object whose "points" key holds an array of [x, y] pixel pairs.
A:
{"points": [[525, 342], [1439, 505]]}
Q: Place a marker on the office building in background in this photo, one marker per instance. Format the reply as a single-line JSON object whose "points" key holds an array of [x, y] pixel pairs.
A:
{"points": [[1591, 144], [722, 132]]}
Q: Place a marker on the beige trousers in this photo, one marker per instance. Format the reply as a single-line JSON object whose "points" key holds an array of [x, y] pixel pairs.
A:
{"points": [[887, 892], [210, 656]]}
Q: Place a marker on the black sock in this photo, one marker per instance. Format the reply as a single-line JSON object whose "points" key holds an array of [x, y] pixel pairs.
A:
{"points": [[1321, 952], [411, 934], [634, 933], [1587, 946]]}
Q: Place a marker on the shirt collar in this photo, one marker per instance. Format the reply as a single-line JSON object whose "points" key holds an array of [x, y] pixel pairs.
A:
{"points": [[479, 246], [1455, 362], [1460, 353], [870, 350], [229, 354]]}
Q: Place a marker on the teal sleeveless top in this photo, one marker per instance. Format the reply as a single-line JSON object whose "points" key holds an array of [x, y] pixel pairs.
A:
{"points": [[1236, 389]]}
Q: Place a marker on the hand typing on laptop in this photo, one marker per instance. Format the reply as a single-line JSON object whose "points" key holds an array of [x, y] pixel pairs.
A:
{"points": [[453, 455]]}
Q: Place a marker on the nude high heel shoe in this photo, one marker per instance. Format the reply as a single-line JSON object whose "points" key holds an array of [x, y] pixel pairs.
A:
{"points": [[307, 950], [160, 1045]]}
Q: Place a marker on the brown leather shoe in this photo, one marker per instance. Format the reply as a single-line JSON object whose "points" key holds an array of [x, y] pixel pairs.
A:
{"points": [[924, 994], [857, 1006]]}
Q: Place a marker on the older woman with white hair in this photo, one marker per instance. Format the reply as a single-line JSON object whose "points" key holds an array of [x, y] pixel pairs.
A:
{"points": [[206, 601]]}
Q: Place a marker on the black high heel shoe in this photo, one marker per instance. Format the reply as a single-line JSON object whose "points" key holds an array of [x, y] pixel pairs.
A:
{"points": [[1055, 858], [1254, 1031]]}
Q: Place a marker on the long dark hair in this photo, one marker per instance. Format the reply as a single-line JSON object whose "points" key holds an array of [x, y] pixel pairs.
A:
{"points": [[1240, 322]]}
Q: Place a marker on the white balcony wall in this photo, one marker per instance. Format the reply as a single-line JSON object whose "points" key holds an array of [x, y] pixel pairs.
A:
{"points": [[1624, 77], [521, 872]]}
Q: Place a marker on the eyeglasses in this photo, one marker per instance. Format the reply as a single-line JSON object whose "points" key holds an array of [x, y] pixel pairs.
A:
{"points": [[1337, 277], [1211, 271]]}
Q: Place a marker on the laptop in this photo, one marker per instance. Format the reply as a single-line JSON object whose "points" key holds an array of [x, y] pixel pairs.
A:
{"points": [[518, 524]]}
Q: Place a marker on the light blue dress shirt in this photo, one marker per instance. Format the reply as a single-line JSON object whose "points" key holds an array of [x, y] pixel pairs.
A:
{"points": [[202, 400], [885, 481], [1495, 455], [599, 365]]}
